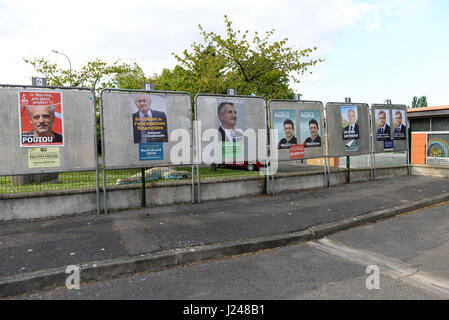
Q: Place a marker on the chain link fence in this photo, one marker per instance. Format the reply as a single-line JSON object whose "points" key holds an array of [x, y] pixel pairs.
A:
{"points": [[376, 160], [82, 180], [47, 182], [133, 177], [223, 171], [300, 165]]}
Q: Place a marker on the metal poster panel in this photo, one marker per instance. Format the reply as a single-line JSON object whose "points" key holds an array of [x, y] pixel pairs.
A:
{"points": [[47, 129], [230, 128], [298, 123], [348, 129], [389, 127], [146, 128]]}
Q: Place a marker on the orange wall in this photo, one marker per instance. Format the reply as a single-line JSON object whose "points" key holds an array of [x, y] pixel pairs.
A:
{"points": [[418, 149]]}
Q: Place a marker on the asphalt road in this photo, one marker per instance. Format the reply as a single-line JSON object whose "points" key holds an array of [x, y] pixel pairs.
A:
{"points": [[38, 245], [411, 252]]}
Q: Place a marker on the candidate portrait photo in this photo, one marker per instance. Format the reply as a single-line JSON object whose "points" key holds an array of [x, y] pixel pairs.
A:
{"points": [[285, 125], [231, 120], [309, 128], [383, 128], [149, 117], [400, 129], [41, 120], [349, 121]]}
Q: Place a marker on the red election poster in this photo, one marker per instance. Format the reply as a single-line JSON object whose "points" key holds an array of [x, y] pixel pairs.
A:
{"points": [[41, 122], [297, 151]]}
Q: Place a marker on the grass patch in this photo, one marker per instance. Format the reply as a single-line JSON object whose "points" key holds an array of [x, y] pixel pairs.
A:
{"points": [[87, 179]]}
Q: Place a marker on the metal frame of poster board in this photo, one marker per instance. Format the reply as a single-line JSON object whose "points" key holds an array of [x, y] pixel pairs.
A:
{"points": [[71, 168], [198, 134], [145, 163], [335, 144], [297, 106], [378, 146], [398, 145], [68, 164]]}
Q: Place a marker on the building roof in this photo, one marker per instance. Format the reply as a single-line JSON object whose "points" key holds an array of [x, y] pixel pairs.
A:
{"points": [[427, 108], [435, 111]]}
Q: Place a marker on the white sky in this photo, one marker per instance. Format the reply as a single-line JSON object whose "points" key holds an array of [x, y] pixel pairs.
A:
{"points": [[374, 50]]}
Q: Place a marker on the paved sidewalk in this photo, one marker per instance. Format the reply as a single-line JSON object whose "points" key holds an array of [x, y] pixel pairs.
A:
{"points": [[38, 245]]}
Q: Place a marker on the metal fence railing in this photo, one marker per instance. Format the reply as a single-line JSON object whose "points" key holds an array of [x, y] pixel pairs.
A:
{"points": [[377, 160], [388, 159], [80, 180], [433, 150], [47, 182], [300, 165], [437, 161], [221, 171], [131, 177]]}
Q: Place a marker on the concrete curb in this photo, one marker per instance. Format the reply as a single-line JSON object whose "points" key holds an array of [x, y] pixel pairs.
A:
{"points": [[107, 269]]}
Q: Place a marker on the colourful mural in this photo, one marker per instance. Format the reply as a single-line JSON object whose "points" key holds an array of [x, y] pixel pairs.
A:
{"points": [[438, 147]]}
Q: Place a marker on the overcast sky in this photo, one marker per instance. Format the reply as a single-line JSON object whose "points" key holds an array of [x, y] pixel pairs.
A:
{"points": [[374, 50]]}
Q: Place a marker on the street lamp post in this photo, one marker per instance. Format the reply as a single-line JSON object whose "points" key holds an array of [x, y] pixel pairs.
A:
{"points": [[70, 64]]}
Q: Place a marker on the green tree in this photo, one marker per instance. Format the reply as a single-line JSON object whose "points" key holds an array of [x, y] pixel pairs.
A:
{"points": [[95, 74], [419, 102], [259, 66]]}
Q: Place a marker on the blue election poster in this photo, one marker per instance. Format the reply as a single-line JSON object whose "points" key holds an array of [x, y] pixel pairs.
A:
{"points": [[151, 151]]}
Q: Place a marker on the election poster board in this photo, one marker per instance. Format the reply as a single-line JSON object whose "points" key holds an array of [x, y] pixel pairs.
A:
{"points": [[299, 125], [348, 129], [389, 127], [47, 130], [137, 126], [229, 129]]}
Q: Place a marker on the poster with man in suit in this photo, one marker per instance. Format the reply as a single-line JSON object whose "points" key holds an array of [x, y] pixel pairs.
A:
{"points": [[149, 118], [231, 119], [309, 128], [382, 117], [349, 119], [285, 124], [231, 127], [399, 126]]}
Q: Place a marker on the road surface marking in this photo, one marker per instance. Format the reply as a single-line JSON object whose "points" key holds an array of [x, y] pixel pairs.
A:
{"points": [[388, 266]]}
